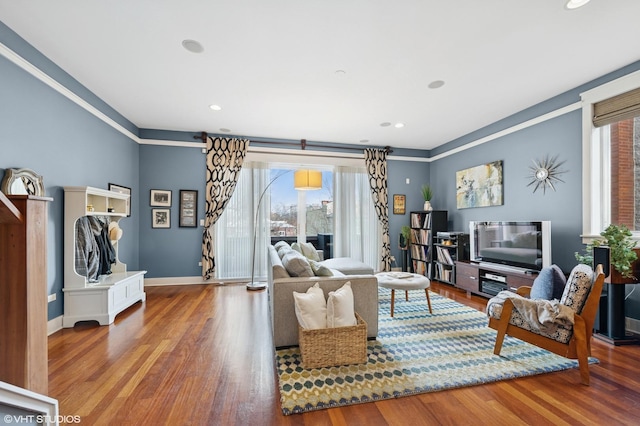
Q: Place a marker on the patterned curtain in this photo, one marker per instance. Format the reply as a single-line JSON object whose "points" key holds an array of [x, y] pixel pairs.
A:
{"points": [[376, 162], [224, 162]]}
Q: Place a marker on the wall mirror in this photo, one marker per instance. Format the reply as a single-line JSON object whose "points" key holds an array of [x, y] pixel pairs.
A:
{"points": [[22, 182]]}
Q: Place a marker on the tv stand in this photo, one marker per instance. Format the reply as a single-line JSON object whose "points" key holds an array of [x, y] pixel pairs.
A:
{"points": [[487, 280]]}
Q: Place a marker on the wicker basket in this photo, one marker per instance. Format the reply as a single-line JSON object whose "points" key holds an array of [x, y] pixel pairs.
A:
{"points": [[328, 347]]}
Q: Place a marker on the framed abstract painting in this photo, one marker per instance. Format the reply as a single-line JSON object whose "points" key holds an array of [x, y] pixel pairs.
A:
{"points": [[479, 186]]}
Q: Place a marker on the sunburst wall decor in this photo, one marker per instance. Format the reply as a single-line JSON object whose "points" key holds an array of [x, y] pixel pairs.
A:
{"points": [[545, 173]]}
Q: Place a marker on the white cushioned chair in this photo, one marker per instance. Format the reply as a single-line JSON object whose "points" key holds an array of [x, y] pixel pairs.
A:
{"points": [[573, 341]]}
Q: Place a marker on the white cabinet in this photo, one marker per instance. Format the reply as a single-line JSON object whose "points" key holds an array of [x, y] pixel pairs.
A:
{"points": [[111, 294]]}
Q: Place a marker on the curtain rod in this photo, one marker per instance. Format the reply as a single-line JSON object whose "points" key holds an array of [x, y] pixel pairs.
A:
{"points": [[303, 144]]}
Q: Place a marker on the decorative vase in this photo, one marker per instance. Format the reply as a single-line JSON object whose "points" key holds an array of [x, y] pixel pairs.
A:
{"points": [[427, 205], [402, 242]]}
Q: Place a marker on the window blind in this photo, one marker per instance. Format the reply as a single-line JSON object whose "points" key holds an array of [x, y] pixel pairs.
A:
{"points": [[618, 108]]}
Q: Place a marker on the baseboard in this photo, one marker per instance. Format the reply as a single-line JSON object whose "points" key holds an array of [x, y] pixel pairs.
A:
{"points": [[54, 325], [156, 282]]}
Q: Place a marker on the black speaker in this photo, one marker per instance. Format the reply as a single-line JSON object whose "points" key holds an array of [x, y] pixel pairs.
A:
{"points": [[601, 257]]}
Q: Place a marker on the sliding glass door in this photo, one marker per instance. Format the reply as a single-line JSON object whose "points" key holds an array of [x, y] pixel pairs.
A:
{"points": [[287, 214]]}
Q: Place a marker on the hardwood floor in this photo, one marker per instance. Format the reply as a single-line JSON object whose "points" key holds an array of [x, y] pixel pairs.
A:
{"points": [[202, 355]]}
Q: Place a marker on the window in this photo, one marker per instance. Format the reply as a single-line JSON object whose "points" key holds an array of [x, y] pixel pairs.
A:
{"points": [[621, 144], [284, 211], [300, 214], [611, 156]]}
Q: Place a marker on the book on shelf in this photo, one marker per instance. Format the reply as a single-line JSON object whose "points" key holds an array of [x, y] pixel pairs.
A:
{"points": [[418, 221], [415, 236], [425, 236], [415, 220], [415, 252], [443, 273], [444, 256], [420, 236], [419, 267], [419, 252], [427, 221]]}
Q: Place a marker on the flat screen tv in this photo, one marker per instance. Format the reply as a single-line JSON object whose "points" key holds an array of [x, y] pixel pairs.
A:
{"points": [[519, 245]]}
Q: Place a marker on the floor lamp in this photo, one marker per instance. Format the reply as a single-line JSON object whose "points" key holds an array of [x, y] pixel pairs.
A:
{"points": [[303, 180]]}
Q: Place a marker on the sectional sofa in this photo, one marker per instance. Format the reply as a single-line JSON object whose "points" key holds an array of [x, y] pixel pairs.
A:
{"points": [[284, 281]]}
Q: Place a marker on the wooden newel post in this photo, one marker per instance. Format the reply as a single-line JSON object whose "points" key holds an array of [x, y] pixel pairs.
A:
{"points": [[23, 291]]}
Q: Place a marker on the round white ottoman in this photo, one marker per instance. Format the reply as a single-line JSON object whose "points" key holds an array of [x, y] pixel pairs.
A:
{"points": [[404, 281]]}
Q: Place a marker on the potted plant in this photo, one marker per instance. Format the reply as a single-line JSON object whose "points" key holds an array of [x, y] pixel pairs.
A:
{"points": [[405, 234], [427, 194], [621, 245]]}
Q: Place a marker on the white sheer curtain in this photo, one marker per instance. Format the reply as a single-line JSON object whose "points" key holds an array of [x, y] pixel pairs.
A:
{"points": [[356, 226], [357, 232], [234, 229]]}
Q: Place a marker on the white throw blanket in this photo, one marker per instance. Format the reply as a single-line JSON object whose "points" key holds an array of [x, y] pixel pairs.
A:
{"points": [[541, 314]]}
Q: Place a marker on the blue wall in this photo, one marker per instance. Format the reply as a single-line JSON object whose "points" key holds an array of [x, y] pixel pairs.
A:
{"points": [[562, 207], [44, 131], [561, 136], [173, 252], [398, 172]]}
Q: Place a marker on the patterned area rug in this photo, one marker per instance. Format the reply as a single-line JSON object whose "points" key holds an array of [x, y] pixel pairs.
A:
{"points": [[416, 352]]}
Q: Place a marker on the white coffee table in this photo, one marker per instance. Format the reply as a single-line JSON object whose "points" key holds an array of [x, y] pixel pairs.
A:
{"points": [[404, 281]]}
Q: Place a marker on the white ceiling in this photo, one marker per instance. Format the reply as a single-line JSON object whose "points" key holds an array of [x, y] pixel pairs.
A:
{"points": [[271, 64]]}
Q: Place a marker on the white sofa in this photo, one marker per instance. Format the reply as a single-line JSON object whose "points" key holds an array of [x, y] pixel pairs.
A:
{"points": [[282, 286]]}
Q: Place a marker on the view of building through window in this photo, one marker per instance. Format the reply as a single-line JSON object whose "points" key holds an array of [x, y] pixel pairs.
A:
{"points": [[286, 202], [624, 139]]}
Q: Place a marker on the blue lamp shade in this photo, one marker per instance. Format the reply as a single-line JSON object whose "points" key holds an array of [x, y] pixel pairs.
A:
{"points": [[307, 180]]}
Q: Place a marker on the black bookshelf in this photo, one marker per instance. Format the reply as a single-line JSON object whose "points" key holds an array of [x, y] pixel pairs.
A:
{"points": [[424, 227], [449, 247]]}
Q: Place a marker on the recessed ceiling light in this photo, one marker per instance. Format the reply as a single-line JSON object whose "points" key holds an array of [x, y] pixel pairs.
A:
{"points": [[225, 130], [340, 72], [385, 124], [364, 141], [574, 4], [215, 107], [399, 125], [436, 84], [192, 46]]}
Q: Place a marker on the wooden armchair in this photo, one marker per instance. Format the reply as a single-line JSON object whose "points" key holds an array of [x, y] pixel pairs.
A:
{"points": [[582, 294]]}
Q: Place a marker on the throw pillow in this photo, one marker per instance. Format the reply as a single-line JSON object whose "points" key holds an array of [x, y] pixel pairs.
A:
{"points": [[340, 307], [319, 269], [296, 247], [309, 251], [542, 287], [296, 264], [311, 308], [578, 287], [559, 282], [282, 250], [280, 244]]}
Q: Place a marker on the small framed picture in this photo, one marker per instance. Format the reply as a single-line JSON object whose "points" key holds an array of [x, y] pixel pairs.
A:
{"points": [[161, 218], [122, 190], [399, 204], [188, 208], [160, 198]]}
